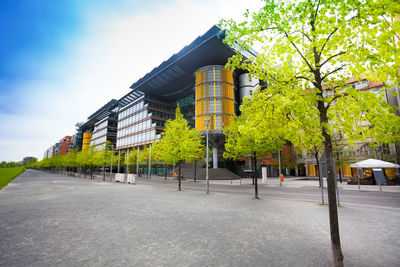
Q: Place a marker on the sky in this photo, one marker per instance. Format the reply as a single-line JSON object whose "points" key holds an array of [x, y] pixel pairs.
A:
{"points": [[62, 60]]}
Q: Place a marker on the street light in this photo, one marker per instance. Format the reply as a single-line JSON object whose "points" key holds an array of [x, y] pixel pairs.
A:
{"points": [[207, 123]]}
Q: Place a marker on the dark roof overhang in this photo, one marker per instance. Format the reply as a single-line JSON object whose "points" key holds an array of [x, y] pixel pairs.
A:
{"points": [[104, 111], [129, 98], [174, 78]]}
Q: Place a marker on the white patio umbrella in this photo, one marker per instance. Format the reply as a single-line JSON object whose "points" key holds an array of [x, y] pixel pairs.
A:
{"points": [[374, 163]]}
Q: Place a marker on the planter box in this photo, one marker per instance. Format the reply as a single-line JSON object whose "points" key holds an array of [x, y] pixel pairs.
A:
{"points": [[131, 179], [120, 177]]}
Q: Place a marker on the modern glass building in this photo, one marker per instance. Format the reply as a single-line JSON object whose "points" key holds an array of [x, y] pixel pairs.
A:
{"points": [[100, 127], [105, 130], [194, 78], [142, 121]]}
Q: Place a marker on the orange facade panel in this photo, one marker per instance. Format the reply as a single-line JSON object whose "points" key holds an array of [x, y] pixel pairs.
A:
{"points": [[210, 106], [214, 90], [86, 140], [216, 122], [214, 97]]}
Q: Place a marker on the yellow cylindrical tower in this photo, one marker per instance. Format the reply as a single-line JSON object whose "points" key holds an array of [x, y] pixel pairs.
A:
{"points": [[86, 140], [214, 97]]}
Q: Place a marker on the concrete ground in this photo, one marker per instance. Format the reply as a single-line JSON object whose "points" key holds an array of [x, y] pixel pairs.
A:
{"points": [[297, 182], [49, 219]]}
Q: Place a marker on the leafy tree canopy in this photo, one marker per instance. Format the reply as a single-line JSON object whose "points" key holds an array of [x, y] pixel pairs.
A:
{"points": [[179, 142], [311, 48]]}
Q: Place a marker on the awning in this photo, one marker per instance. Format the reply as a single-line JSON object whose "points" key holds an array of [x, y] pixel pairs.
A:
{"points": [[374, 163]]}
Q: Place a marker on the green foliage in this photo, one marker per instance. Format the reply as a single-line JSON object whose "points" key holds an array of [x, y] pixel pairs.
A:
{"points": [[8, 174], [309, 50], [30, 161], [101, 156], [144, 154], [70, 159], [179, 143], [258, 129], [9, 164], [132, 157]]}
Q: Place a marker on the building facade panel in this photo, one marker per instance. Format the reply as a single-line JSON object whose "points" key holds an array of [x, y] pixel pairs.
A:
{"points": [[141, 122], [214, 98], [86, 140]]}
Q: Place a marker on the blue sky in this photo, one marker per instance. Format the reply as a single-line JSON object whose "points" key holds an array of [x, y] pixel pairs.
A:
{"points": [[61, 60], [37, 31]]}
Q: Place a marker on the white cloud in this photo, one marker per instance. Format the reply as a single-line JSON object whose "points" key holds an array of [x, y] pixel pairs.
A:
{"points": [[112, 53]]}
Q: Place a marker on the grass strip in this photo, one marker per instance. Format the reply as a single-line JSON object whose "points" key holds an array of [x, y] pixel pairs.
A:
{"points": [[8, 174]]}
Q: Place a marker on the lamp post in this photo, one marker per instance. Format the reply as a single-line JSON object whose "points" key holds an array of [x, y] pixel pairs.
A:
{"points": [[207, 123]]}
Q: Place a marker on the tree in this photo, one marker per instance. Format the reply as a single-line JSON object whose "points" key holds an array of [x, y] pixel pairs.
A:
{"points": [[179, 143], [84, 159], [132, 158], [102, 156], [71, 159], [320, 44], [157, 154], [29, 161], [145, 155], [254, 134]]}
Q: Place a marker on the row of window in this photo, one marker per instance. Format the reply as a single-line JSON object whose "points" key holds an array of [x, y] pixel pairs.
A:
{"points": [[143, 137], [162, 115], [99, 133], [160, 106], [131, 110], [101, 125], [221, 106], [135, 128], [210, 90], [133, 119], [99, 140]]}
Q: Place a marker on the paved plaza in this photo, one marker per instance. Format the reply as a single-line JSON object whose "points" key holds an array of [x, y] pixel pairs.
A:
{"points": [[49, 219]]}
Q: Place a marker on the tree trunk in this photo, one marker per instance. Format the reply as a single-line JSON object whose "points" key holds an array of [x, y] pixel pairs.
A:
{"points": [[255, 176], [179, 177], [165, 171], [331, 177]]}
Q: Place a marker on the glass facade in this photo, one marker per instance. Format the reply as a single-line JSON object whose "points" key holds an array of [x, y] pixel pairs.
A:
{"points": [[86, 140], [141, 122], [105, 130], [214, 97]]}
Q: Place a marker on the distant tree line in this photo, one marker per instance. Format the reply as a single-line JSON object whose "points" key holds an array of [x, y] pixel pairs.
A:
{"points": [[11, 164]]}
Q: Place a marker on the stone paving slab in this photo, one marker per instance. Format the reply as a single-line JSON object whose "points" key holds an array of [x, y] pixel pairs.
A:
{"points": [[49, 220]]}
